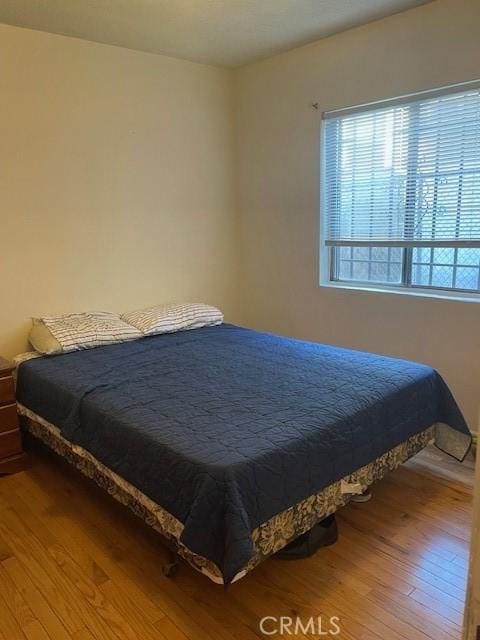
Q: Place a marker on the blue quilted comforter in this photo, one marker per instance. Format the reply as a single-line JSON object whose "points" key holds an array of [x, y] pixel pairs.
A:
{"points": [[225, 427]]}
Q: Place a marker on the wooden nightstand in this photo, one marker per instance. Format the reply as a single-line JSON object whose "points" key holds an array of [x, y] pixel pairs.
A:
{"points": [[12, 458]]}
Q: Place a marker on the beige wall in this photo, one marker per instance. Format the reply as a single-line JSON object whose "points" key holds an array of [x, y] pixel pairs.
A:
{"points": [[116, 180], [278, 182]]}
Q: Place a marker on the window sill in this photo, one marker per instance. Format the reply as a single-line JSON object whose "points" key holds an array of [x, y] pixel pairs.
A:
{"points": [[457, 296]]}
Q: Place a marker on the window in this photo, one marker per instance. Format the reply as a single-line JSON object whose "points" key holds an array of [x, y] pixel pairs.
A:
{"points": [[401, 193]]}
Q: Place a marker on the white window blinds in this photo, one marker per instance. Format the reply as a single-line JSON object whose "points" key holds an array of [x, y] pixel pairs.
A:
{"points": [[404, 173]]}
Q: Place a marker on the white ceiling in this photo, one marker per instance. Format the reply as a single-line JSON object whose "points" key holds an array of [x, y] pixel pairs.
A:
{"points": [[221, 32]]}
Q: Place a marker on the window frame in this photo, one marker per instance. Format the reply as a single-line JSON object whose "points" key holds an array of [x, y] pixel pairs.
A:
{"points": [[407, 266], [328, 255]]}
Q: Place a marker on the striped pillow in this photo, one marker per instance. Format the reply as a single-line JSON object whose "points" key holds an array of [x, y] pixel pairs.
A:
{"points": [[168, 318], [88, 330]]}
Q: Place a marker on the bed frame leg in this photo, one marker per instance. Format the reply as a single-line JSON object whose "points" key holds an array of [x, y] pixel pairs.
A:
{"points": [[365, 496], [171, 567]]}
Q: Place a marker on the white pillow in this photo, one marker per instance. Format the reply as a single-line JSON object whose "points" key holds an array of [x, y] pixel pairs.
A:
{"points": [[81, 331], [168, 318]]}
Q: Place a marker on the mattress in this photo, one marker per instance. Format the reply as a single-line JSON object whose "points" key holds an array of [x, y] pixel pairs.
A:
{"points": [[225, 429]]}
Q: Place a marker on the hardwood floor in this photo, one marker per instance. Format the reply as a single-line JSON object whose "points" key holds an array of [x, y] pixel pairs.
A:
{"points": [[74, 564]]}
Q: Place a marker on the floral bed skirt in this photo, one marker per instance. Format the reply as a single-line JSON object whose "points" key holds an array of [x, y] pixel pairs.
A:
{"points": [[268, 538]]}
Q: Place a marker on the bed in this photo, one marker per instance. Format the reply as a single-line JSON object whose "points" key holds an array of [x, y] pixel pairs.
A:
{"points": [[231, 442]]}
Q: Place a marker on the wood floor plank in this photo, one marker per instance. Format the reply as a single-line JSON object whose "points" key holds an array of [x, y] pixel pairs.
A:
{"points": [[434, 500], [399, 572], [121, 538], [37, 602], [220, 605], [15, 601], [87, 582], [427, 516], [169, 630], [409, 541], [461, 562], [145, 568], [73, 608], [74, 574], [9, 627], [416, 563], [367, 568], [423, 606], [45, 576], [83, 634], [370, 622], [264, 599], [95, 560], [132, 614], [5, 550], [416, 615], [35, 631], [73, 564], [443, 610], [114, 619]]}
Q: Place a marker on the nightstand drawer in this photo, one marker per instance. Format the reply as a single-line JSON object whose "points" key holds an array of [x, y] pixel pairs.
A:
{"points": [[8, 418], [7, 390], [10, 443]]}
